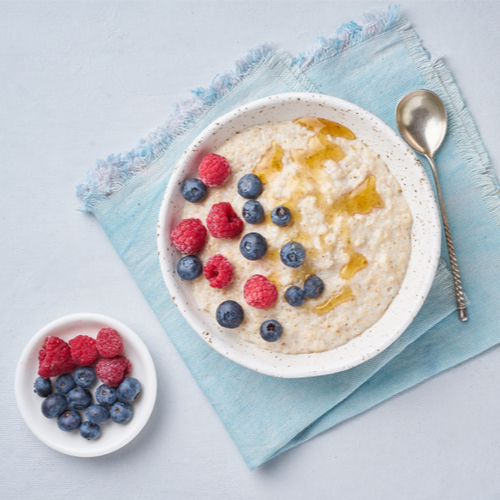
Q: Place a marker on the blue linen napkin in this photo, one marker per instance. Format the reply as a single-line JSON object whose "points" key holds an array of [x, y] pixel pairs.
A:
{"points": [[371, 64]]}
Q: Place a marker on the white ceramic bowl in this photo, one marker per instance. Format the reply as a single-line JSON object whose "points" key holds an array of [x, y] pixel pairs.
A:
{"points": [[426, 234], [113, 436]]}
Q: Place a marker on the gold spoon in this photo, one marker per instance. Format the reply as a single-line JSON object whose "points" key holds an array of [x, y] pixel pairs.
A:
{"points": [[422, 123]]}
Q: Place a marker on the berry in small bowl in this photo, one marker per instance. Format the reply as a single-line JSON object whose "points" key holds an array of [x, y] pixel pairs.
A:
{"points": [[109, 343], [69, 420], [113, 370], [79, 398], [83, 350], [97, 414], [43, 387], [121, 413], [54, 404], [128, 390], [90, 431], [84, 376], [105, 395], [65, 383], [54, 358]]}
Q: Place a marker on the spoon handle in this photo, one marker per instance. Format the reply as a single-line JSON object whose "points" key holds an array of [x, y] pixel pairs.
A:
{"points": [[459, 293]]}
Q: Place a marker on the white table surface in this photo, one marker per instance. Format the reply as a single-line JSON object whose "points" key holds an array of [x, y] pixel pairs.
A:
{"points": [[81, 80]]}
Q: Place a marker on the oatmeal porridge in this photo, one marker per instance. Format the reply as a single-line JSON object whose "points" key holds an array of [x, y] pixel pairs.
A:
{"points": [[348, 213]]}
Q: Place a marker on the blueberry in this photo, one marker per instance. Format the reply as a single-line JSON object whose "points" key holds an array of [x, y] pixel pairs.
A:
{"points": [[65, 383], [79, 398], [295, 296], [230, 314], [88, 430], [54, 404], [105, 395], [128, 390], [69, 420], [43, 387], [97, 414], [281, 216], [293, 254], [271, 330], [314, 287], [253, 246], [250, 186], [84, 376], [189, 267], [252, 212], [121, 413], [194, 190]]}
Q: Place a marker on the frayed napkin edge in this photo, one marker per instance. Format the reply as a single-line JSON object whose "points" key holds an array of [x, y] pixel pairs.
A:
{"points": [[461, 125], [375, 22], [110, 175]]}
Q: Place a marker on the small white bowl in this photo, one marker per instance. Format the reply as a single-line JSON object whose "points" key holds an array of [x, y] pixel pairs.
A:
{"points": [[113, 436], [426, 234]]}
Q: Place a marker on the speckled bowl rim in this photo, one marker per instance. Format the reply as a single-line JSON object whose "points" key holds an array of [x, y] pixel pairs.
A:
{"points": [[426, 235]]}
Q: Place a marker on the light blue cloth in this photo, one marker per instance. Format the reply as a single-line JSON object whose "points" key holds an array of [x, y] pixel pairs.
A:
{"points": [[372, 65]]}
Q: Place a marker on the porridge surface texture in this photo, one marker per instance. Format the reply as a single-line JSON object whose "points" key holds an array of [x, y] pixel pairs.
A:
{"points": [[349, 214]]}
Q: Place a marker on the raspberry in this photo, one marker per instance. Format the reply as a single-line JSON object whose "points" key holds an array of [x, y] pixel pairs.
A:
{"points": [[54, 358], [218, 271], [214, 170], [109, 343], [83, 350], [259, 292], [112, 371], [189, 236], [223, 222]]}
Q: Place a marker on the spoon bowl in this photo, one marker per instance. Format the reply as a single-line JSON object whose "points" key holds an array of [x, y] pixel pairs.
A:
{"points": [[422, 121]]}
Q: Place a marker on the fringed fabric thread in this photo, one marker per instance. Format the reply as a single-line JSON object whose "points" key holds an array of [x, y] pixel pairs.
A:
{"points": [[350, 34], [111, 174], [460, 123]]}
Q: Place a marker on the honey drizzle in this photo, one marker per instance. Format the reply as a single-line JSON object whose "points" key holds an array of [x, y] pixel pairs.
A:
{"points": [[320, 148], [273, 254], [323, 127], [361, 200], [357, 261], [334, 301], [270, 164]]}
